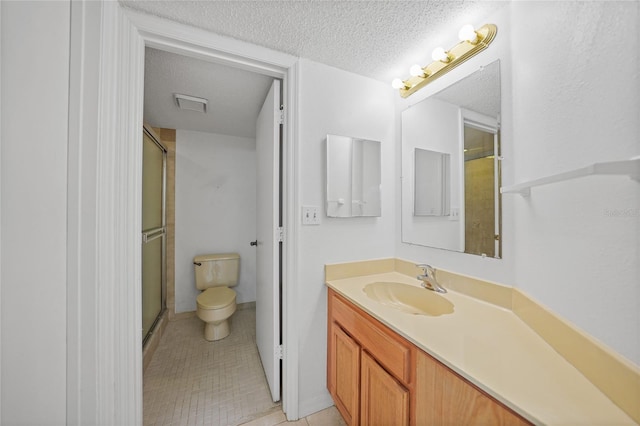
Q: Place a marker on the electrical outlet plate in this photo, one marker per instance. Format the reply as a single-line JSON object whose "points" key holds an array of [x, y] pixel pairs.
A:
{"points": [[310, 215]]}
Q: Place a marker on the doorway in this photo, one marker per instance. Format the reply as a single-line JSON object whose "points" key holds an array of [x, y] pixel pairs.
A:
{"points": [[212, 166], [108, 61], [481, 183]]}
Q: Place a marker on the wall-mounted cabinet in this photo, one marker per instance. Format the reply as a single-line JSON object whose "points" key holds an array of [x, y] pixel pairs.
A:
{"points": [[354, 177], [376, 377]]}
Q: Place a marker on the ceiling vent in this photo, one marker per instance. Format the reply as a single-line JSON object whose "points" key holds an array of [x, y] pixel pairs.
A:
{"points": [[190, 103]]}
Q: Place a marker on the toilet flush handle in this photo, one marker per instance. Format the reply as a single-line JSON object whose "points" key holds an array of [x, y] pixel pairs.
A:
{"points": [[197, 263], [254, 243]]}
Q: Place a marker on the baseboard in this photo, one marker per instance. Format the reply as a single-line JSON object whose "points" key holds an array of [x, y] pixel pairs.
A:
{"points": [[183, 315], [245, 305]]}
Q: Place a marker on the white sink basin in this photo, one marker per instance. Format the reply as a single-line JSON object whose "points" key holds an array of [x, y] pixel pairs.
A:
{"points": [[409, 299]]}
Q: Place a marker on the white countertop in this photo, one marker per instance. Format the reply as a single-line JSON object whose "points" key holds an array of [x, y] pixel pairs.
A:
{"points": [[495, 350]]}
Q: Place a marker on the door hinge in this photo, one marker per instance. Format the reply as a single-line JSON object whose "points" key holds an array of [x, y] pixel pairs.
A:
{"points": [[280, 234], [279, 352], [280, 115]]}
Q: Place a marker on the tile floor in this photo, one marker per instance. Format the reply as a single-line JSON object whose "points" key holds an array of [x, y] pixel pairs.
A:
{"points": [[328, 417], [194, 382]]}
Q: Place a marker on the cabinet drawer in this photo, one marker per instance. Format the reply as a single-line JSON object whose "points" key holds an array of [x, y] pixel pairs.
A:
{"points": [[388, 349]]}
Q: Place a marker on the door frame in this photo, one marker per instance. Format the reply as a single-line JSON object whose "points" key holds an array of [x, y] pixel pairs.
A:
{"points": [[104, 375]]}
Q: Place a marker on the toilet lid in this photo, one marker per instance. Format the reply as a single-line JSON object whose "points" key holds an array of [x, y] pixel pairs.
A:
{"points": [[216, 298]]}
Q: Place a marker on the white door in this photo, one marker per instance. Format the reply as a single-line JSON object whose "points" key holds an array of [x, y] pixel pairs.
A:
{"points": [[268, 248]]}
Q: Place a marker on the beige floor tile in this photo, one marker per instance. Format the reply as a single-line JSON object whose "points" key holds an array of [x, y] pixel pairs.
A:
{"points": [[194, 382], [301, 422], [327, 417], [269, 420]]}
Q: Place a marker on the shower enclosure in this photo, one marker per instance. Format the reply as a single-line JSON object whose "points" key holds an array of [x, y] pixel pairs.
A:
{"points": [[154, 232]]}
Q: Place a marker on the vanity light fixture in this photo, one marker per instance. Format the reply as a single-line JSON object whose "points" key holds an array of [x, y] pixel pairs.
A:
{"points": [[417, 71], [399, 84], [472, 42], [467, 33], [439, 54]]}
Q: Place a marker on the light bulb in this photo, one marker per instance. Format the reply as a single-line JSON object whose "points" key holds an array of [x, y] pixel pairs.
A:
{"points": [[439, 54], [417, 71], [398, 84], [467, 33]]}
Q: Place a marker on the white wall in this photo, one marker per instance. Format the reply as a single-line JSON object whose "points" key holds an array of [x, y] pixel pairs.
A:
{"points": [[568, 245], [575, 254], [35, 84], [215, 208], [332, 101]]}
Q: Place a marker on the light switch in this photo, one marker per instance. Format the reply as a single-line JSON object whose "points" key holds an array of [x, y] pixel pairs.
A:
{"points": [[310, 215]]}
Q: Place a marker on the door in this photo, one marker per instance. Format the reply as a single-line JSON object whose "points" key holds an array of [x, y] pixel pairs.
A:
{"points": [[268, 247], [153, 231]]}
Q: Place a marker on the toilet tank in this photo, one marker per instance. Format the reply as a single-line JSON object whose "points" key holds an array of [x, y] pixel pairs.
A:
{"points": [[214, 270]]}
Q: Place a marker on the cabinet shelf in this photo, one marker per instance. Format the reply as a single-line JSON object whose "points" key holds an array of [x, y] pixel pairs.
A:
{"points": [[629, 168]]}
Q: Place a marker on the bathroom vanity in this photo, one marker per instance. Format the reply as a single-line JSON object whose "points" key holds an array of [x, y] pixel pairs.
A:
{"points": [[403, 355], [377, 377]]}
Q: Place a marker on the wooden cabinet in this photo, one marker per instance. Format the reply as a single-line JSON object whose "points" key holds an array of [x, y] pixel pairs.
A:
{"points": [[384, 401], [377, 377], [446, 398], [368, 367], [344, 384]]}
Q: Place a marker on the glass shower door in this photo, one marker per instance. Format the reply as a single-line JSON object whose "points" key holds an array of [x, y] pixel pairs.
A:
{"points": [[153, 232]]}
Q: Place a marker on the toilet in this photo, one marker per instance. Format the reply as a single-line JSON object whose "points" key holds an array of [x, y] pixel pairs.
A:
{"points": [[215, 273]]}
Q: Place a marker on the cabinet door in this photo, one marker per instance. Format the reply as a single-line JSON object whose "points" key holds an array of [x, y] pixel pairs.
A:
{"points": [[444, 398], [384, 401], [344, 374]]}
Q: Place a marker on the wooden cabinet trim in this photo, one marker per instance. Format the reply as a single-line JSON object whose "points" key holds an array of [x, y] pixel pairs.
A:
{"points": [[388, 348]]}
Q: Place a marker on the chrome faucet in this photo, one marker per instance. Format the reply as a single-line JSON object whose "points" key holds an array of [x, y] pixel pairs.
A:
{"points": [[429, 278]]}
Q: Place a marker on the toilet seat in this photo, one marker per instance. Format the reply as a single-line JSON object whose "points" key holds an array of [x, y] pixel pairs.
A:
{"points": [[216, 298]]}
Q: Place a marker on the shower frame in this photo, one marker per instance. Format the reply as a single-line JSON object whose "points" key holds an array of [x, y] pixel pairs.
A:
{"points": [[151, 234]]}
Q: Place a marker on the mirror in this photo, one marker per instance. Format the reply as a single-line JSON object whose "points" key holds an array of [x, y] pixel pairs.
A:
{"points": [[451, 167], [353, 177], [432, 187]]}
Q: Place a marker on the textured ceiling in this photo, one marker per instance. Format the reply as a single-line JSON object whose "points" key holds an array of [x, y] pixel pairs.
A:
{"points": [[232, 109], [377, 39]]}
